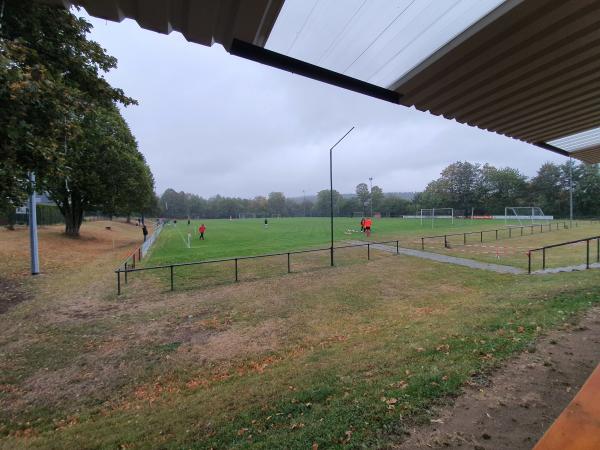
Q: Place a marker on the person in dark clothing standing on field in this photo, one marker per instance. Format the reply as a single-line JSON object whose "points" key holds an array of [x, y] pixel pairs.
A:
{"points": [[145, 231]]}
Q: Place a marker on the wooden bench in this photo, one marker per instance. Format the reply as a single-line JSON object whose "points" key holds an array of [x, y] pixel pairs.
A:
{"points": [[578, 426]]}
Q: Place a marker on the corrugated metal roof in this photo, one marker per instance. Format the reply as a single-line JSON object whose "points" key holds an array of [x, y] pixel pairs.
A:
{"points": [[529, 70], [203, 22]]}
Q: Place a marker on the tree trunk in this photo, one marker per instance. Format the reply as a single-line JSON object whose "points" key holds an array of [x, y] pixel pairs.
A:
{"points": [[73, 219]]}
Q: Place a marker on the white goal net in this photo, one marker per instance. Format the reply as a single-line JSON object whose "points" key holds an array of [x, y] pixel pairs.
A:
{"points": [[247, 215], [525, 214], [432, 214]]}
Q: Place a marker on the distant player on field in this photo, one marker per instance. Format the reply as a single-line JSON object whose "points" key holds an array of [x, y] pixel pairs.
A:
{"points": [[266, 223], [362, 225], [201, 230], [145, 232], [368, 223]]}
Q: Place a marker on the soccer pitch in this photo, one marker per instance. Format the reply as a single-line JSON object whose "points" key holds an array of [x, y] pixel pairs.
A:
{"points": [[244, 237]]}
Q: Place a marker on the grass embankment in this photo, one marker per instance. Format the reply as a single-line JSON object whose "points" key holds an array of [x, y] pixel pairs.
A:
{"points": [[342, 357]]}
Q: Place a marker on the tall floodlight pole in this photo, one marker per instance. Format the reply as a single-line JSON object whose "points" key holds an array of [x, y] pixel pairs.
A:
{"points": [[331, 187], [33, 237], [371, 190], [304, 201], [570, 192]]}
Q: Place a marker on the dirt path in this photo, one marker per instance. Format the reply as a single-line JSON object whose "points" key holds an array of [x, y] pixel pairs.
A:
{"points": [[513, 408]]}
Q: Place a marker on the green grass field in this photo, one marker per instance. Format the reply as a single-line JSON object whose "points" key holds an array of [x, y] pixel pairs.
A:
{"points": [[231, 238], [338, 358], [249, 237]]}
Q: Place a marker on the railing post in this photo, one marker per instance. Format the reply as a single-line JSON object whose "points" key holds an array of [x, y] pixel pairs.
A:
{"points": [[496, 234], [139, 253], [119, 282], [134, 260], [289, 270], [541, 228], [465, 239], [172, 285], [368, 251], [587, 250], [236, 269], [482, 237], [544, 258], [598, 250], [521, 231], [529, 262], [398, 246], [422, 243], [125, 272], [509, 233], [445, 241]]}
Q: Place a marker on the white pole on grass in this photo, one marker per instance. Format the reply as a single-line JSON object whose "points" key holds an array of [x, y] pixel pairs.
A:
{"points": [[570, 192], [33, 237]]}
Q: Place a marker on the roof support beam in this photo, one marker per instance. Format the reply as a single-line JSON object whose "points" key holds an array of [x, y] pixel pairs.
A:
{"points": [[279, 61]]}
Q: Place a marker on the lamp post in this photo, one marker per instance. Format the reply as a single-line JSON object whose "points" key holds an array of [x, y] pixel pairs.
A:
{"points": [[33, 237], [371, 191], [304, 201], [331, 187], [570, 192]]}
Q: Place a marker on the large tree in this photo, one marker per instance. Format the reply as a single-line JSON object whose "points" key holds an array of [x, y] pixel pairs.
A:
{"points": [[103, 169], [363, 194], [49, 80]]}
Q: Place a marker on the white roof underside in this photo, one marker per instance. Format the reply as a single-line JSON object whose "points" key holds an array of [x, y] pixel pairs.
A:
{"points": [[376, 41]]}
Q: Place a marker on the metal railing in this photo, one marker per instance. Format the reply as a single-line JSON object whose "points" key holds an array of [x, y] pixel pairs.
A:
{"points": [[532, 228], [136, 255], [126, 268], [547, 247]]}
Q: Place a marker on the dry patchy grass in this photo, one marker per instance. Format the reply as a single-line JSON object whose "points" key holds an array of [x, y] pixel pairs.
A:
{"points": [[339, 356]]}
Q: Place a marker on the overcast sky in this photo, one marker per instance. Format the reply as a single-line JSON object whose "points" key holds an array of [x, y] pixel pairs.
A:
{"points": [[211, 123]]}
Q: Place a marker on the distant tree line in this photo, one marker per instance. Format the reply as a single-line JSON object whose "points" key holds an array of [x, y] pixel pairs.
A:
{"points": [[463, 186], [487, 189]]}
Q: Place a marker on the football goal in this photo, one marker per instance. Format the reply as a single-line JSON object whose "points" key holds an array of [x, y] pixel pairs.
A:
{"points": [[247, 216], [433, 214], [276, 216], [521, 214], [358, 214]]}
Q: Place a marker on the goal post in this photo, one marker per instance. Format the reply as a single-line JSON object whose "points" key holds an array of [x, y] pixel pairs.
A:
{"points": [[436, 214], [524, 213], [358, 214], [247, 215]]}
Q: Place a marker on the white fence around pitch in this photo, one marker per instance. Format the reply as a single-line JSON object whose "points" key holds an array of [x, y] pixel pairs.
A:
{"points": [[509, 217], [150, 240]]}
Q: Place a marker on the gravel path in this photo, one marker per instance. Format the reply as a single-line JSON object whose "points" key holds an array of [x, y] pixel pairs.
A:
{"points": [[447, 259], [566, 269]]}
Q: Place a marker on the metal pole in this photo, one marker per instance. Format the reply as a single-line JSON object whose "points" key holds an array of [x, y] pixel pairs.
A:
{"points": [[465, 239], [289, 270], [529, 263], [371, 190], [125, 272], [544, 258], [422, 243], [571, 191], [369, 251], [482, 236], [398, 248], [587, 258], [33, 236], [598, 250], [172, 285], [236, 269], [331, 187], [445, 241], [118, 282]]}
